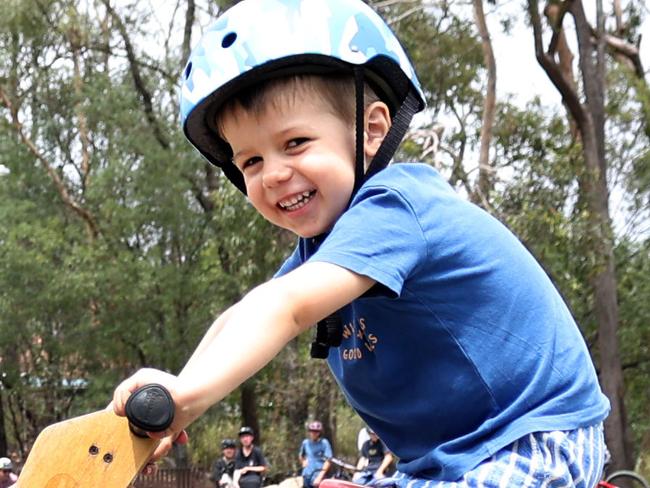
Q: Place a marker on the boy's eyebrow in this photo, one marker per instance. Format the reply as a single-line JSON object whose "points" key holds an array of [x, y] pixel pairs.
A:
{"points": [[237, 154], [298, 126]]}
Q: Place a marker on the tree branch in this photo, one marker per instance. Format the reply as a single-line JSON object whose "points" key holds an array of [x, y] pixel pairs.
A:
{"points": [[556, 25], [484, 186], [86, 216], [553, 71], [140, 87], [187, 31]]}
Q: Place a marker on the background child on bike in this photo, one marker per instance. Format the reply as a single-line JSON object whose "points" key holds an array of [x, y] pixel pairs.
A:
{"points": [[223, 469], [374, 460], [314, 455], [250, 463], [7, 476], [456, 349]]}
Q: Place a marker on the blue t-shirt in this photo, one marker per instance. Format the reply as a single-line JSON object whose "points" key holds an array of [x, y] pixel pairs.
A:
{"points": [[316, 452], [464, 345]]}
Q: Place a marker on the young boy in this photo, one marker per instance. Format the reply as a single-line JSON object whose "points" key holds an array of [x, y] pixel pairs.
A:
{"points": [[374, 461], [223, 470], [314, 455], [7, 476], [456, 347], [250, 464]]}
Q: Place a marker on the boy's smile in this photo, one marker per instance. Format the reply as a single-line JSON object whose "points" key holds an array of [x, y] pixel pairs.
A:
{"points": [[297, 158]]}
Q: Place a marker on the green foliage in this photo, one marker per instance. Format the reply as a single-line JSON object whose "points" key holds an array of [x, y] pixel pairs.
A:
{"points": [[82, 309], [633, 264], [540, 201]]}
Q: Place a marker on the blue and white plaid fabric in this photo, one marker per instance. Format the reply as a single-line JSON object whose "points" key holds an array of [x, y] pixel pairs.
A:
{"points": [[558, 459]]}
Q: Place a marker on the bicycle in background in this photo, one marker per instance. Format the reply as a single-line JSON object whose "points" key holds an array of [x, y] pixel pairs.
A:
{"points": [[342, 470], [623, 479]]}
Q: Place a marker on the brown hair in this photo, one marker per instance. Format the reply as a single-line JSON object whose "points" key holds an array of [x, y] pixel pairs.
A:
{"points": [[337, 90]]}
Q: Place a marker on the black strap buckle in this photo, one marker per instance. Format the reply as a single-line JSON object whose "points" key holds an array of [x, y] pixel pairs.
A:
{"points": [[329, 333]]}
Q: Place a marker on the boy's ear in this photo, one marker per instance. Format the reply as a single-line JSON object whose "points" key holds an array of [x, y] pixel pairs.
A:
{"points": [[377, 122]]}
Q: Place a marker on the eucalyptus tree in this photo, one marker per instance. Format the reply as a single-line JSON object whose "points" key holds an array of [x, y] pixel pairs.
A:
{"points": [[549, 177], [119, 244], [586, 108]]}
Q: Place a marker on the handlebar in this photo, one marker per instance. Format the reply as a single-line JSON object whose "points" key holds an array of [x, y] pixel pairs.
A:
{"points": [[342, 464], [150, 409]]}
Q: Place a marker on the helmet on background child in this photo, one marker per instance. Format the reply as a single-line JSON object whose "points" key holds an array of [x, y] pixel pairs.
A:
{"points": [[6, 464], [226, 443], [257, 40], [315, 426]]}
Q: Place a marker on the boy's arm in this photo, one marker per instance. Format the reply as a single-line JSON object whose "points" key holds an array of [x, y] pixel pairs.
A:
{"points": [[246, 337], [302, 455], [388, 458], [323, 472], [326, 463], [209, 336]]}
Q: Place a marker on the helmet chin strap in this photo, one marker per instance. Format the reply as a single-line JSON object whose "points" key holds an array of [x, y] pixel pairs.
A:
{"points": [[360, 109], [329, 331]]}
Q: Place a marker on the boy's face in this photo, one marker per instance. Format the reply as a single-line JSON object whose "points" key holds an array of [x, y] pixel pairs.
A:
{"points": [[297, 158], [246, 440]]}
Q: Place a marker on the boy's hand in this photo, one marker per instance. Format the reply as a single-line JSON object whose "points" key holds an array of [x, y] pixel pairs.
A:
{"points": [[175, 433], [318, 480]]}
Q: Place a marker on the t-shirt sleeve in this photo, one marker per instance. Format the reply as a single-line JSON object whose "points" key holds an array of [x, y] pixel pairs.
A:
{"points": [[379, 236], [302, 452], [260, 459], [239, 461], [328, 449], [364, 449], [291, 263]]}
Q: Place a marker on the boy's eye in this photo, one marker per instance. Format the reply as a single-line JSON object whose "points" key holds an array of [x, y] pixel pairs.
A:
{"points": [[250, 162], [296, 142]]}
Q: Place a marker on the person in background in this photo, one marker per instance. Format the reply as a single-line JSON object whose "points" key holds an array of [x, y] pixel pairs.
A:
{"points": [[7, 476], [250, 464], [223, 469], [374, 461], [315, 452], [362, 437]]}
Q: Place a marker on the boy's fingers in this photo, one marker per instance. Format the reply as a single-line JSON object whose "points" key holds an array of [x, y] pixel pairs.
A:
{"points": [[122, 394], [163, 448], [150, 468], [182, 438]]}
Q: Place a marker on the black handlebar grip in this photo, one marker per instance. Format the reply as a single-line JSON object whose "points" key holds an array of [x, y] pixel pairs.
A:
{"points": [[150, 409]]}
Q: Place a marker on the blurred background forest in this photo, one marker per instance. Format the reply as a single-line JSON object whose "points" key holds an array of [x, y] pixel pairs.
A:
{"points": [[119, 245]]}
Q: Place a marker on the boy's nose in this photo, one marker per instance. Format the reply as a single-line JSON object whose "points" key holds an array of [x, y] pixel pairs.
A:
{"points": [[275, 173]]}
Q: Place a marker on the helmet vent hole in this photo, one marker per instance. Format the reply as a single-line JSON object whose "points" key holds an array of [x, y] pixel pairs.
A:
{"points": [[228, 40], [188, 70]]}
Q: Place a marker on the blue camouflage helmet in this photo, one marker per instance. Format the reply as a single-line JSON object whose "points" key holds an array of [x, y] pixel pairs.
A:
{"points": [[261, 39]]}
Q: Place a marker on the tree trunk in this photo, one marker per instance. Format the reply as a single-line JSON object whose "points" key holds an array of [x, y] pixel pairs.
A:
{"points": [[590, 118], [485, 171], [565, 58], [187, 31], [594, 189], [249, 409], [296, 400], [4, 448], [325, 404]]}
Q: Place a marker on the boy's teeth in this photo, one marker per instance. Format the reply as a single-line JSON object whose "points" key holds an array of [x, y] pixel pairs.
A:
{"points": [[296, 201]]}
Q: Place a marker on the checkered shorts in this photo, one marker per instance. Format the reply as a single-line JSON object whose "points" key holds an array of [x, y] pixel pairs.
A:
{"points": [[558, 459]]}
